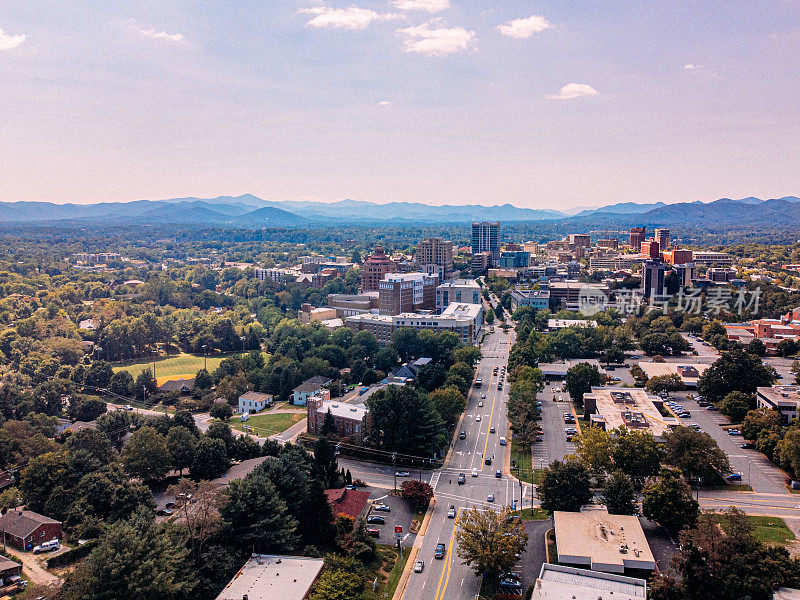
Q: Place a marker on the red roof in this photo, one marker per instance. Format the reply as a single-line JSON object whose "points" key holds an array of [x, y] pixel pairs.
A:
{"points": [[347, 502]]}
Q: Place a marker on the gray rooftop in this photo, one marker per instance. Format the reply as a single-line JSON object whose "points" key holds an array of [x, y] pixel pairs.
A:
{"points": [[557, 582], [269, 577]]}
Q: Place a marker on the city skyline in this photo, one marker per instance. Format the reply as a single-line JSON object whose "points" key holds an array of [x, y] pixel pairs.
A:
{"points": [[433, 101]]}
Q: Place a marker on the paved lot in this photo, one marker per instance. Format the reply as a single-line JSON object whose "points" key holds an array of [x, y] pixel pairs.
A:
{"points": [[661, 544], [400, 515], [553, 445], [761, 474], [535, 555]]}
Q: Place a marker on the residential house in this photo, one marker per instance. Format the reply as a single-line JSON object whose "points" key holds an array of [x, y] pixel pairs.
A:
{"points": [[252, 402], [25, 529], [310, 387]]}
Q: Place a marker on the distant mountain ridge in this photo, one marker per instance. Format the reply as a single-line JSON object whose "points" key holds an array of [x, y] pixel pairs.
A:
{"points": [[248, 211]]}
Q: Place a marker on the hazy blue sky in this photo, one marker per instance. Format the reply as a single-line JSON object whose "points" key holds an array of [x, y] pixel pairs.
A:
{"points": [[541, 104]]}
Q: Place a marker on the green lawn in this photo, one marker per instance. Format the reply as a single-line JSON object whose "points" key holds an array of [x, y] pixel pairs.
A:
{"points": [[524, 460], [267, 424], [769, 530], [552, 550], [537, 514], [386, 588], [177, 364]]}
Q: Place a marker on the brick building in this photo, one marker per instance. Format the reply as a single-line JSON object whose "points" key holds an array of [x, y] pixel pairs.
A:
{"points": [[351, 419], [636, 238], [407, 292], [435, 257], [376, 268], [25, 529]]}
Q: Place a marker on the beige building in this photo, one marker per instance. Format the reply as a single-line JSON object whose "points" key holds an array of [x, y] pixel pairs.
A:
{"points": [[557, 582], [269, 577], [632, 408], [434, 256], [689, 374], [308, 314], [597, 540]]}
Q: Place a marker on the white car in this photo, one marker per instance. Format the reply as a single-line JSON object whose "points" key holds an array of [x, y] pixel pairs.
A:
{"points": [[478, 418], [480, 404], [418, 566], [47, 547]]}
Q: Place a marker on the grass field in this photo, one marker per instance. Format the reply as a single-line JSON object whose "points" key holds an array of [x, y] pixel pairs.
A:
{"points": [[180, 364], [268, 423], [769, 530]]}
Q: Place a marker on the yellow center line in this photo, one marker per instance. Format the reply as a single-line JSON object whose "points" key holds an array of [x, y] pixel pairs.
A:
{"points": [[448, 561]]}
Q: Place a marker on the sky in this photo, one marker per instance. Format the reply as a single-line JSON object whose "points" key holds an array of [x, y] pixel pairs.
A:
{"points": [[547, 104]]}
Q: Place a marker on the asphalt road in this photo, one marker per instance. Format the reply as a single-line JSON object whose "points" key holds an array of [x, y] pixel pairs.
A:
{"points": [[449, 578]]}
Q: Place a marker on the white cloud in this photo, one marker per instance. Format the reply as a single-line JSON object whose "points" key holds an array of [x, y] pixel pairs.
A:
{"points": [[436, 39], [574, 90], [384, 103], [162, 35], [428, 5], [353, 17], [9, 42], [691, 67], [525, 28]]}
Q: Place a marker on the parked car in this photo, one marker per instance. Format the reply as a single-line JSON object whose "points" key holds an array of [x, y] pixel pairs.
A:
{"points": [[403, 474], [373, 532], [734, 477], [747, 446], [498, 473], [418, 566], [439, 552], [47, 547], [462, 479], [711, 407], [164, 512], [451, 512], [734, 432], [381, 508], [490, 498], [375, 520]]}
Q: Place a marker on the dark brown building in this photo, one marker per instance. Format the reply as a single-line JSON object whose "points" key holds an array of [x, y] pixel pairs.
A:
{"points": [[25, 529], [407, 292], [637, 237]]}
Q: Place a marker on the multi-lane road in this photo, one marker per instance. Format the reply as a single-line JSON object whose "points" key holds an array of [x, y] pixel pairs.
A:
{"points": [[448, 578]]}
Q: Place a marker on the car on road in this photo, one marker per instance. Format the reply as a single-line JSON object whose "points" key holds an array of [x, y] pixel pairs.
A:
{"points": [[734, 432], [491, 430], [127, 407], [439, 552], [462, 435], [483, 396], [451, 512], [403, 474], [462, 479], [381, 508], [474, 472], [734, 477], [488, 461], [373, 532], [490, 498], [502, 441], [498, 474], [418, 566], [376, 520], [480, 404], [477, 418]]}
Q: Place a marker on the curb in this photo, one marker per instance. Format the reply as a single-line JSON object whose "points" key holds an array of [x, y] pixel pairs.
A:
{"points": [[400, 590]]}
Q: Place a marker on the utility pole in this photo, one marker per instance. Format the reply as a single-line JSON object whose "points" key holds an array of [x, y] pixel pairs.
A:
{"points": [[394, 470]]}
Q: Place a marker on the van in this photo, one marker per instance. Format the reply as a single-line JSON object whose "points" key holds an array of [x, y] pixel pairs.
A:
{"points": [[47, 547], [502, 441]]}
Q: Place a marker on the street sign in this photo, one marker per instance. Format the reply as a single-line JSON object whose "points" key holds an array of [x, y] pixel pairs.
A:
{"points": [[398, 529]]}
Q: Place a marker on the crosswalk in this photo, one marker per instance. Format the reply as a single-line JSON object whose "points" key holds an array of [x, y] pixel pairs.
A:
{"points": [[435, 479]]}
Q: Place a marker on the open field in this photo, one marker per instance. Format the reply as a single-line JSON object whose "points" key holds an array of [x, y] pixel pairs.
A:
{"points": [[267, 424], [769, 530], [170, 366]]}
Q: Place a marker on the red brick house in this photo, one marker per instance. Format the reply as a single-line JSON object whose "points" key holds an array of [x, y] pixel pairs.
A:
{"points": [[25, 529], [347, 502]]}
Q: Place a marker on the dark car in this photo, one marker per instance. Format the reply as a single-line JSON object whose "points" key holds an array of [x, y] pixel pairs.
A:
{"points": [[747, 446], [488, 461], [734, 477], [439, 552], [462, 479], [498, 474], [376, 520], [462, 435], [381, 508]]}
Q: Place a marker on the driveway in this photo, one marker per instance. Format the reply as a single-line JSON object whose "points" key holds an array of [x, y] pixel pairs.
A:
{"points": [[33, 568]]}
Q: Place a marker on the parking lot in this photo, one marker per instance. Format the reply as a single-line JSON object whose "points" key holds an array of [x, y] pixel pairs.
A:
{"points": [[399, 514], [753, 466]]}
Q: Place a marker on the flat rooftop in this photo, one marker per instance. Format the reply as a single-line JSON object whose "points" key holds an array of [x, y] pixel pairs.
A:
{"points": [[563, 323], [688, 372], [602, 542], [347, 411], [470, 283], [269, 577], [557, 582], [632, 408], [462, 310]]}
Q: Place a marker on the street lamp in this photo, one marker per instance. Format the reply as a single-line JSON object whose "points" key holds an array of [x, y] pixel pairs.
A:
{"points": [[205, 357]]}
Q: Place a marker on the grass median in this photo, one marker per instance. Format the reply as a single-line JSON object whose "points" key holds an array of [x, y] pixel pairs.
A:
{"points": [[523, 459]]}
